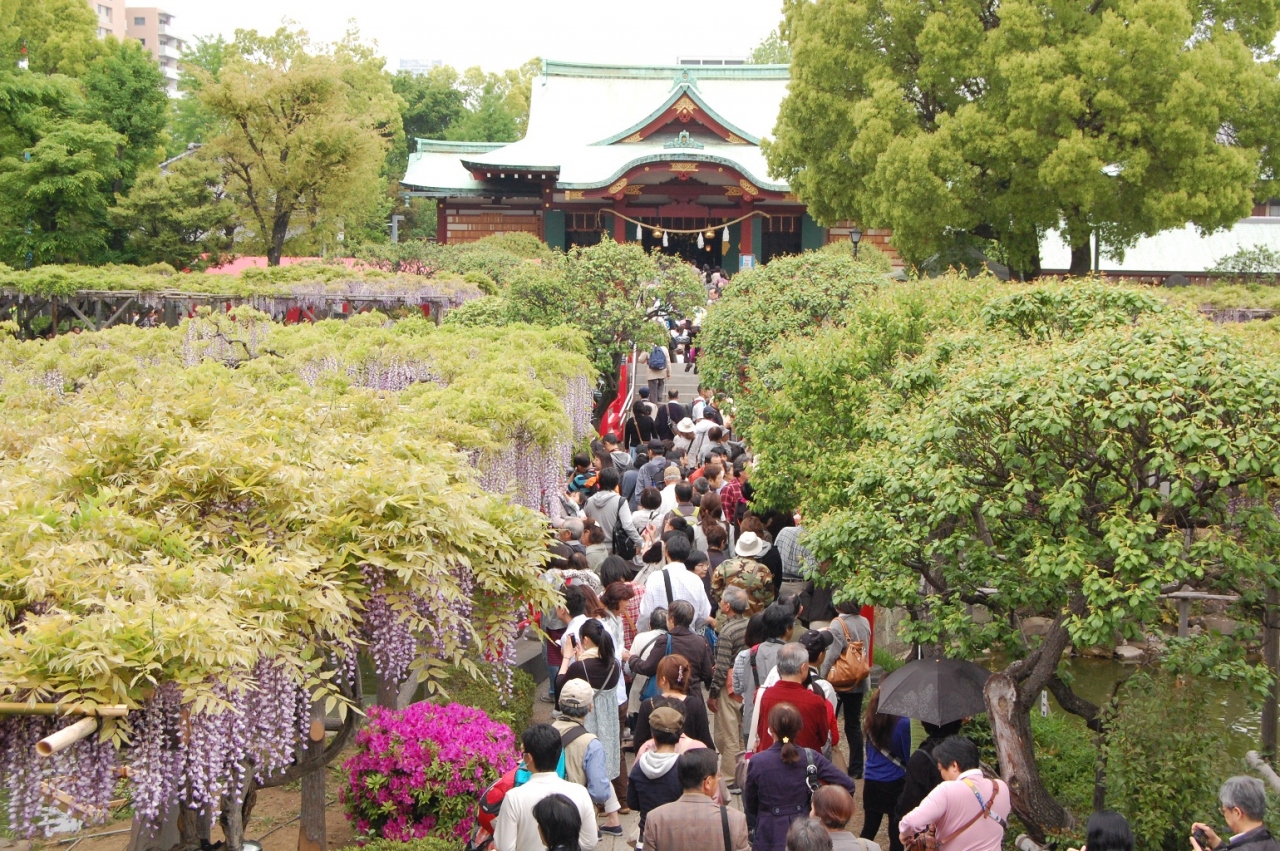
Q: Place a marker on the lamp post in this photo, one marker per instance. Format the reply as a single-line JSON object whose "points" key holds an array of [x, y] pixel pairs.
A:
{"points": [[855, 236]]}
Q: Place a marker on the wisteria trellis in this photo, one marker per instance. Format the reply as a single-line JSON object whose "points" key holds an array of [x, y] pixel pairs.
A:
{"points": [[191, 758]]}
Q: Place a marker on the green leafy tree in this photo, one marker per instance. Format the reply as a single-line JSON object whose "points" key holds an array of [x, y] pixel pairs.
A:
{"points": [[497, 105], [1258, 262], [177, 217], [772, 50], [303, 135], [189, 121], [612, 292], [61, 36], [788, 294], [125, 90], [432, 102], [30, 103], [57, 194], [1080, 449], [989, 121]]}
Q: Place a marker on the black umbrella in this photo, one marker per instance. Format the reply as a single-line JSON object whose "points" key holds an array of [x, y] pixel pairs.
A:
{"points": [[935, 690]]}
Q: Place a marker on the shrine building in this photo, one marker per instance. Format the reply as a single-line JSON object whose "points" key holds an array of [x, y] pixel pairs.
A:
{"points": [[667, 156]]}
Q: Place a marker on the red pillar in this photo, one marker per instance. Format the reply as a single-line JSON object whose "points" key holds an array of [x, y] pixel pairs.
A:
{"points": [[442, 223], [744, 243], [619, 229]]}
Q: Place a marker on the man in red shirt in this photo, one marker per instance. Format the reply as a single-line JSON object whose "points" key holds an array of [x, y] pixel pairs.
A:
{"points": [[731, 493], [817, 713]]}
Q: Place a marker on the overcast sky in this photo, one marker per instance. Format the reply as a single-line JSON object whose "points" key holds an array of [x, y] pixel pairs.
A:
{"points": [[498, 34]]}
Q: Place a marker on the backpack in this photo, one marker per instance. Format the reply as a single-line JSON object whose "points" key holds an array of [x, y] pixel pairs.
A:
{"points": [[623, 546], [490, 801], [651, 687], [658, 358], [851, 666]]}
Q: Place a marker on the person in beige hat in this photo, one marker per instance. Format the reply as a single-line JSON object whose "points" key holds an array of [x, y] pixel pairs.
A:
{"points": [[654, 780], [584, 756]]}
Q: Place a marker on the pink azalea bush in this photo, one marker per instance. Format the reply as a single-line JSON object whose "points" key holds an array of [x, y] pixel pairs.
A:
{"points": [[419, 770]]}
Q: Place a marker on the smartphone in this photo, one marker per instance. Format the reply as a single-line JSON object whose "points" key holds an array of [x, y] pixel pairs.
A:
{"points": [[573, 640]]}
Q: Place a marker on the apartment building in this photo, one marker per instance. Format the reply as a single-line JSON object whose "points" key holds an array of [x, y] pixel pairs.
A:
{"points": [[111, 17], [154, 28], [151, 26]]}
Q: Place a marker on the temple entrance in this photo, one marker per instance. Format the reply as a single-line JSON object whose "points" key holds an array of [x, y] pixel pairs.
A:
{"points": [[684, 245]]}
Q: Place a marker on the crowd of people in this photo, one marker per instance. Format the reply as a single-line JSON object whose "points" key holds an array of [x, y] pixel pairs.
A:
{"points": [[693, 660]]}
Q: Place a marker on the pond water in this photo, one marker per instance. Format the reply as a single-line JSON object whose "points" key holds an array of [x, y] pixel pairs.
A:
{"points": [[1094, 679]]}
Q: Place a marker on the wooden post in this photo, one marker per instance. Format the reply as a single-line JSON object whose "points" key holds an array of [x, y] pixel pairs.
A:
{"points": [[311, 826], [1184, 617], [1271, 658]]}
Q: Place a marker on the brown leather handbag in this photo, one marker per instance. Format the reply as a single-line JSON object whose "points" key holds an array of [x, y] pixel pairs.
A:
{"points": [[851, 666]]}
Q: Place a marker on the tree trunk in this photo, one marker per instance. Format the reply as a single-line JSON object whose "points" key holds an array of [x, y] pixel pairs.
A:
{"points": [[388, 693], [279, 230], [180, 829], [311, 826], [1011, 728], [1271, 658], [237, 804], [1081, 260]]}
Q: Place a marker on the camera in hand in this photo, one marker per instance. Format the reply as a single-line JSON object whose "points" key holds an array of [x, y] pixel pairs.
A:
{"points": [[1200, 836]]}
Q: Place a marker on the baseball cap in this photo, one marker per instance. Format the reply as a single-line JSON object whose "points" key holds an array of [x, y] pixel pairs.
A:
{"points": [[657, 446], [816, 641], [576, 694], [666, 719]]}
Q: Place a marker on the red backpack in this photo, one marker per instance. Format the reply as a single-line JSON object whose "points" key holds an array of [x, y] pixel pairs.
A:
{"points": [[490, 801]]}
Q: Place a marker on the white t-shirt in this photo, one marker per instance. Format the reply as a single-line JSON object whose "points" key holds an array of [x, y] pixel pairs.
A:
{"points": [[685, 585], [515, 828]]}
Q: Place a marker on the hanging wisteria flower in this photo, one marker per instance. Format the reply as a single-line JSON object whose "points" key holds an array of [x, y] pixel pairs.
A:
{"points": [[419, 770]]}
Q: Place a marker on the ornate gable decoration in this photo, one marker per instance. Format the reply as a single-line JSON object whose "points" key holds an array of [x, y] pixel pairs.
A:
{"points": [[685, 105], [684, 140]]}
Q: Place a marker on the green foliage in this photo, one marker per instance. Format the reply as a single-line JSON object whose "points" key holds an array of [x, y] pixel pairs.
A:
{"points": [[61, 35], [497, 105], [264, 283], [886, 660], [516, 711], [173, 507], [189, 122], [1002, 123], [826, 394], [303, 135], [1259, 262], [612, 292], [784, 296], [496, 257], [1043, 314], [432, 101], [1061, 474], [772, 49], [491, 311], [426, 843], [1166, 756], [177, 217], [125, 90], [57, 194]]}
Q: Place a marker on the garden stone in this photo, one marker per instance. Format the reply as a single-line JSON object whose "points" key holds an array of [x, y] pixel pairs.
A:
{"points": [[1219, 624], [1036, 626], [1129, 653]]}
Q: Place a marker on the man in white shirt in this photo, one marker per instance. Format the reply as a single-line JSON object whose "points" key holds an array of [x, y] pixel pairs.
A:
{"points": [[684, 584], [515, 828], [670, 478]]}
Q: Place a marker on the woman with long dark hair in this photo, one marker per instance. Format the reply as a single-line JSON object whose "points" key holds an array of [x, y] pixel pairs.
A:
{"points": [[594, 659], [780, 781], [885, 771], [711, 516], [639, 430]]}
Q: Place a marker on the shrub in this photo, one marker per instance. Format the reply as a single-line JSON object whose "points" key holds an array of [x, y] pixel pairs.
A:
{"points": [[427, 843], [789, 295], [1166, 755], [488, 311], [419, 770], [515, 711]]}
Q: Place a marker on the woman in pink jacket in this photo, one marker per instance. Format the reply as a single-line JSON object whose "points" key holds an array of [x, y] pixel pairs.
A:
{"points": [[967, 811]]}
